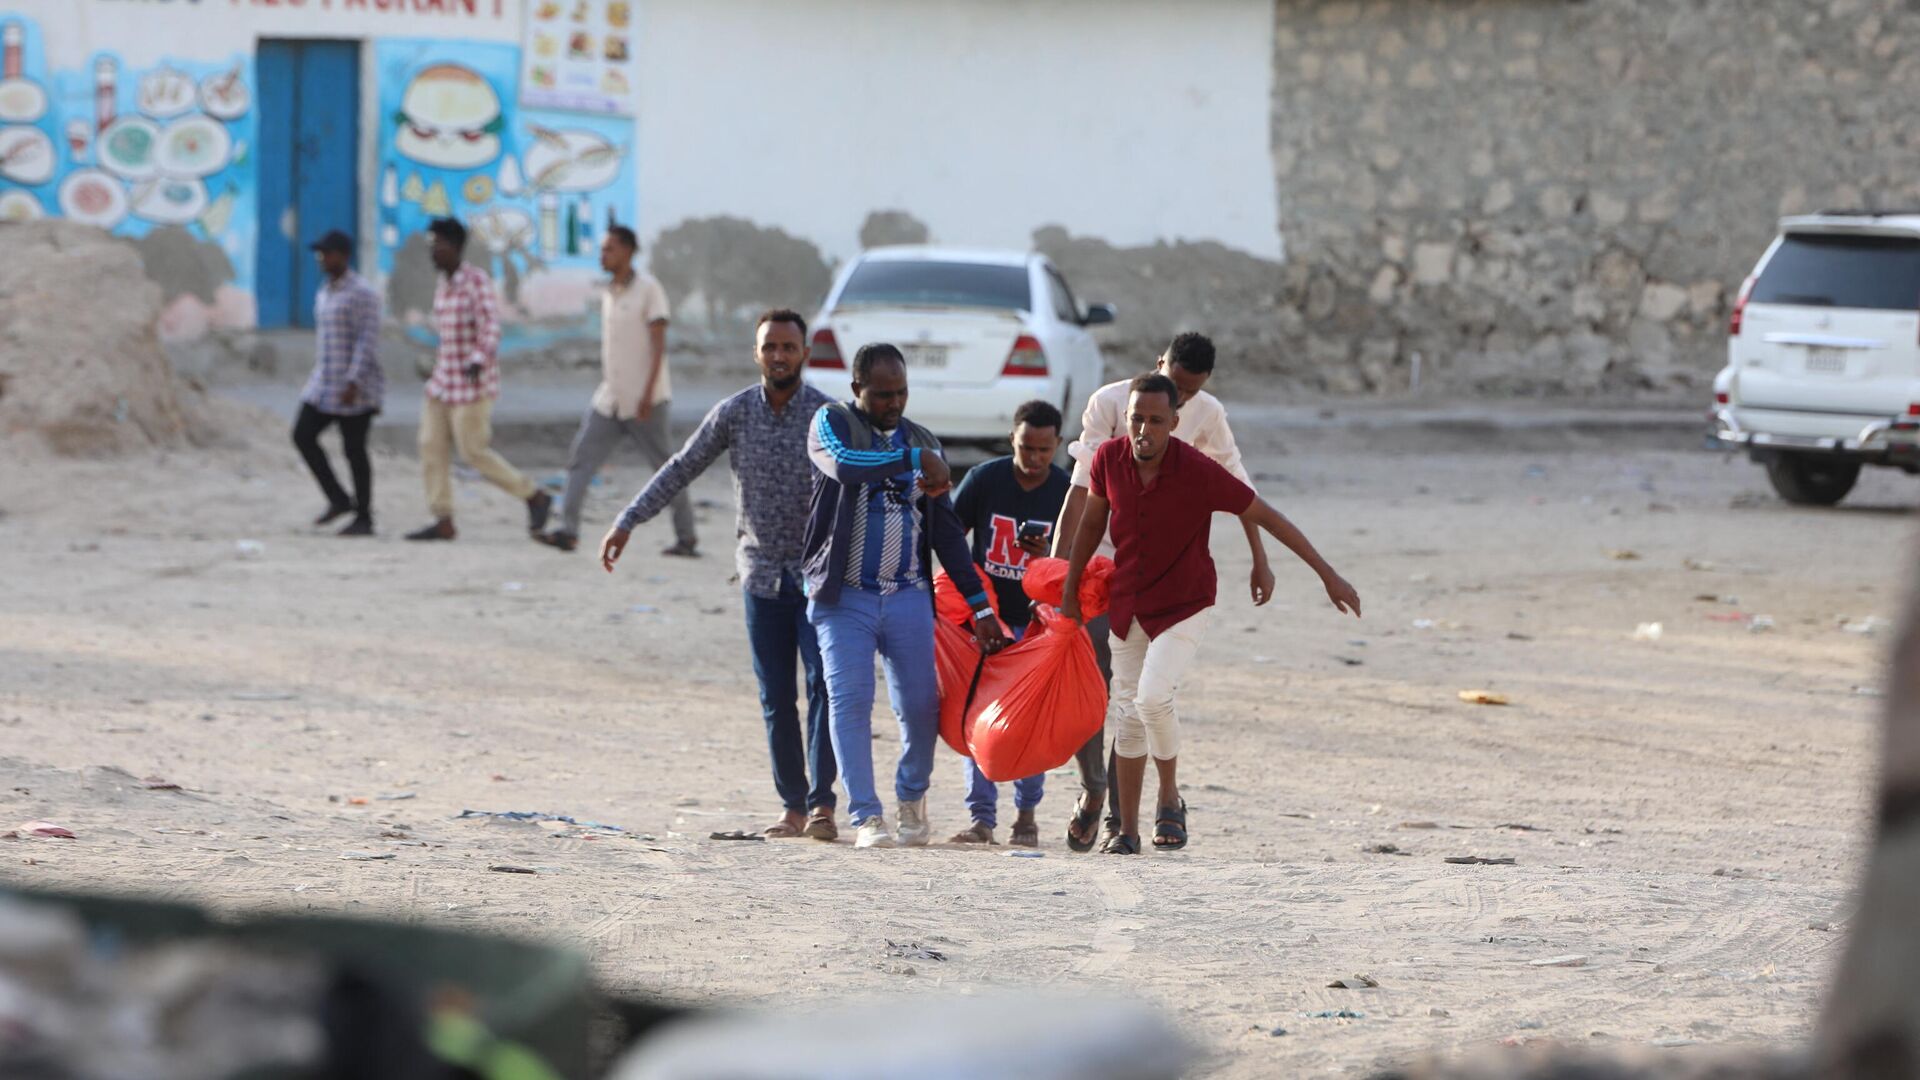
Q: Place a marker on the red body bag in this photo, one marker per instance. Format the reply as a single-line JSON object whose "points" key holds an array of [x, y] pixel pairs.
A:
{"points": [[956, 656], [1036, 703], [1046, 581]]}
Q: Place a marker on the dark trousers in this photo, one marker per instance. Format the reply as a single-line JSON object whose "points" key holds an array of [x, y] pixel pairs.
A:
{"points": [[784, 642], [353, 432], [1096, 768]]}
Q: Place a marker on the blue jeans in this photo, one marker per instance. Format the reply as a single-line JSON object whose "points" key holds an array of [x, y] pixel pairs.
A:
{"points": [[983, 795], [778, 631], [899, 628]]}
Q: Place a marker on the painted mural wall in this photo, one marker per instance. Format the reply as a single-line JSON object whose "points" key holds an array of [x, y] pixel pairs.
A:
{"points": [[161, 152], [158, 154], [537, 189]]}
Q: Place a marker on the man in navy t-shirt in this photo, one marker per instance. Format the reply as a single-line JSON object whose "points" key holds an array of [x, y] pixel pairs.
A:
{"points": [[1008, 506]]}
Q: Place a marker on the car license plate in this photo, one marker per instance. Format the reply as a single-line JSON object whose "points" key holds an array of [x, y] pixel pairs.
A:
{"points": [[1826, 360], [925, 356]]}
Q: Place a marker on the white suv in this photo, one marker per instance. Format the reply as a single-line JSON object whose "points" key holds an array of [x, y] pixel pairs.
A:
{"points": [[983, 333], [1823, 359]]}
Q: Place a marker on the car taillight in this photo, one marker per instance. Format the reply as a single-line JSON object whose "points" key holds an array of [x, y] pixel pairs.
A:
{"points": [[1914, 409], [1027, 357], [1740, 308], [1720, 398], [826, 351]]}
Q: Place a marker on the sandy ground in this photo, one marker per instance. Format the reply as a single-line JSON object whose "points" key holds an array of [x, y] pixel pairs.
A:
{"points": [[1694, 806]]}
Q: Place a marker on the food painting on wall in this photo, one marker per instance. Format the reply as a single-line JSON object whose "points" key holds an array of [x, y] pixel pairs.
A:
{"points": [[535, 189], [579, 56], [127, 149], [29, 130]]}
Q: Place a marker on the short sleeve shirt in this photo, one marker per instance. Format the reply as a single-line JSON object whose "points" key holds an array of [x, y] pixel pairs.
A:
{"points": [[1163, 570], [626, 347], [993, 506]]}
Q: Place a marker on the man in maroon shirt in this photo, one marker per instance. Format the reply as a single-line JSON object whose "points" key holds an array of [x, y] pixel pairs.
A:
{"points": [[1161, 495]]}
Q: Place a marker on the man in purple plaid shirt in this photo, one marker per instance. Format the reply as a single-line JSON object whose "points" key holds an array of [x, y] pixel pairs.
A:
{"points": [[346, 385]]}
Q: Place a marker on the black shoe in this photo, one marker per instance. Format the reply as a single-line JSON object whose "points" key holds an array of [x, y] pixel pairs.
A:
{"points": [[439, 530], [358, 527], [558, 538], [538, 507], [681, 550], [334, 513]]}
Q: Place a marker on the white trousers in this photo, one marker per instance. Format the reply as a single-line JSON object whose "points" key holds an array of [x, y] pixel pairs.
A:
{"points": [[1146, 675]]}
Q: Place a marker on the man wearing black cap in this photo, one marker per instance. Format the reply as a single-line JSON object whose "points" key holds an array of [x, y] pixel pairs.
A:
{"points": [[346, 385]]}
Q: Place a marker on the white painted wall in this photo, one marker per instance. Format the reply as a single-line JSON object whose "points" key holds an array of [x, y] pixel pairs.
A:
{"points": [[1130, 120]]}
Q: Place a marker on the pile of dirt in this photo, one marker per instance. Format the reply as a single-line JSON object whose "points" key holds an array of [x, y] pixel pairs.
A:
{"points": [[82, 372]]}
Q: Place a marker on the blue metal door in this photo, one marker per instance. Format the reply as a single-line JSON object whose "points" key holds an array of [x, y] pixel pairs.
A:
{"points": [[309, 165], [277, 67], [326, 156]]}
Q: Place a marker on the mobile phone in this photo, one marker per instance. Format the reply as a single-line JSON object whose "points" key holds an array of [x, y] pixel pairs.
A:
{"points": [[1035, 530]]}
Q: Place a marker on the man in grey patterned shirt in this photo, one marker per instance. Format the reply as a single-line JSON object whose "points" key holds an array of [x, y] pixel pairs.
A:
{"points": [[765, 430]]}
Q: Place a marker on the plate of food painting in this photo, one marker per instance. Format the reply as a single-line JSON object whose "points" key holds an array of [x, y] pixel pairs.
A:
{"points": [[194, 147], [26, 155], [167, 201], [570, 160], [19, 207], [92, 197], [21, 101], [128, 147], [225, 95], [166, 93]]}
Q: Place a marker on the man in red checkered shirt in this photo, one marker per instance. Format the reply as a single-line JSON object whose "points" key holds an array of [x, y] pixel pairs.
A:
{"points": [[458, 410]]}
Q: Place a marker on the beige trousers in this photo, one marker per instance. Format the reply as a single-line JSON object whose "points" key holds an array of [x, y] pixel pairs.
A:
{"points": [[469, 429], [1146, 675]]}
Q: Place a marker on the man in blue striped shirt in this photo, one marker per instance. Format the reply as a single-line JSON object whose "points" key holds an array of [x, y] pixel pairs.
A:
{"points": [[880, 513]]}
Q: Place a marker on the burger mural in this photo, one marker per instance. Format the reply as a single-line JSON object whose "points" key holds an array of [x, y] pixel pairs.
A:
{"points": [[449, 118], [536, 188]]}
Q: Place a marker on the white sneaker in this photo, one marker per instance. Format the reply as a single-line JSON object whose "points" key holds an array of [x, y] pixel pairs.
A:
{"points": [[914, 830], [873, 833]]}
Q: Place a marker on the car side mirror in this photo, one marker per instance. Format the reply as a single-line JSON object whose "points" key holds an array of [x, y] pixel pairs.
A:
{"points": [[1098, 315]]}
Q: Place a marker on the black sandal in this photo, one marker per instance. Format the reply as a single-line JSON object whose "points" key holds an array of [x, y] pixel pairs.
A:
{"points": [[1171, 825], [1122, 844], [1082, 825]]}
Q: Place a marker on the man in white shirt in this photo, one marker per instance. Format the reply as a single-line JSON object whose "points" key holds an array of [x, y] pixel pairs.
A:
{"points": [[634, 394], [1188, 361]]}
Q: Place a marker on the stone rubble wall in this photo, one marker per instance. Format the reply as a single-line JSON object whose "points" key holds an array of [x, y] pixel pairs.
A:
{"points": [[1548, 197]]}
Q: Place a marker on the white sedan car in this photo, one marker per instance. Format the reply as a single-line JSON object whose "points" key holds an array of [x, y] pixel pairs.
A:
{"points": [[983, 332]]}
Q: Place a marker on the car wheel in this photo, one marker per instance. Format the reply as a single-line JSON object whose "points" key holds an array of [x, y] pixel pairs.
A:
{"points": [[1812, 481]]}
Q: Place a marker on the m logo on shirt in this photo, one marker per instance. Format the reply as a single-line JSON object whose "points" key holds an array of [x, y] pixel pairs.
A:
{"points": [[1005, 557]]}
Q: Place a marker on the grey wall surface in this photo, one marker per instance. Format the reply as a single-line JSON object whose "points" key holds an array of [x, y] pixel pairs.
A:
{"points": [[1563, 196]]}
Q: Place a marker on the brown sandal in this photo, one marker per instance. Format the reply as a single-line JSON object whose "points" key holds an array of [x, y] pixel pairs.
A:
{"points": [[976, 833], [820, 826], [779, 830]]}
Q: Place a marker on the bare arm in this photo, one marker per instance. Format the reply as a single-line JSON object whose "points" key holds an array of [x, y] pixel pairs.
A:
{"points": [[1263, 515], [1096, 427], [1260, 582], [657, 345], [1067, 528], [1093, 526]]}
